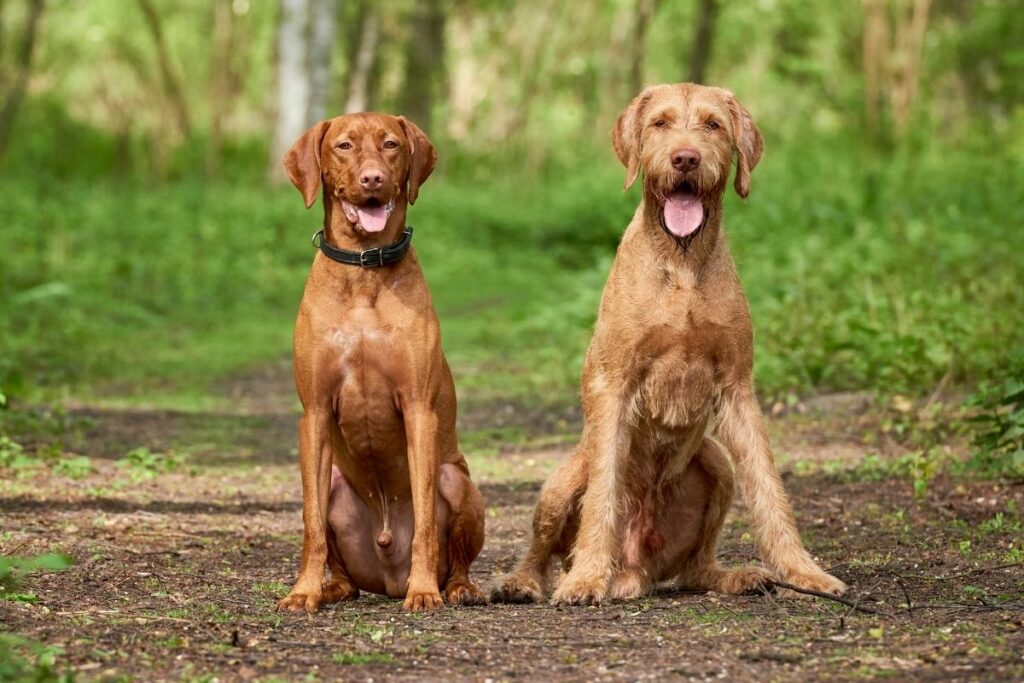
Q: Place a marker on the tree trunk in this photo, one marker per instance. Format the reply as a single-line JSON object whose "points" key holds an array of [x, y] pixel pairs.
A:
{"points": [[424, 65], [223, 80], [909, 43], [292, 82], [703, 40], [322, 15], [172, 86], [12, 102], [362, 58], [893, 41], [875, 51], [642, 17]]}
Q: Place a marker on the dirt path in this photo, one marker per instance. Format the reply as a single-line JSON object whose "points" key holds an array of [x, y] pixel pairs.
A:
{"points": [[177, 573]]}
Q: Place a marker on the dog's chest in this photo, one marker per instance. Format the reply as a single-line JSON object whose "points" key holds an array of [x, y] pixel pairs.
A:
{"points": [[362, 340], [363, 359]]}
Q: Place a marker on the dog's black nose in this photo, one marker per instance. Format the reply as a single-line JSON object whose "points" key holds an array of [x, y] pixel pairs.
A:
{"points": [[685, 159], [371, 179]]}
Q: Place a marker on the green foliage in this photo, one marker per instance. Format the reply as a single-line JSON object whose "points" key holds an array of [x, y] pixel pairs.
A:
{"points": [[917, 467], [143, 463], [12, 454], [14, 569], [360, 658], [861, 273], [999, 424], [27, 661], [77, 467]]}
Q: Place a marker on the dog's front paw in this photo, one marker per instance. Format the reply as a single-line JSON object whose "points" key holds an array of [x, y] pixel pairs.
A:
{"points": [[815, 581], [516, 589], [297, 602], [465, 594], [581, 591], [423, 600]]}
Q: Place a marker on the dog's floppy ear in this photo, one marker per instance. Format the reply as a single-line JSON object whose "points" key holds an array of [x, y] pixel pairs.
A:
{"points": [[748, 143], [626, 135], [423, 157], [302, 162]]}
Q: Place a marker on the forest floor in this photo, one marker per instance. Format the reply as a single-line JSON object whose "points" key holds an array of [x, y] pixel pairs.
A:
{"points": [[182, 550]]}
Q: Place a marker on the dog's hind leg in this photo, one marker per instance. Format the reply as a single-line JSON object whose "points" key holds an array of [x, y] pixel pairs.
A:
{"points": [[465, 534], [558, 500], [340, 588], [709, 478]]}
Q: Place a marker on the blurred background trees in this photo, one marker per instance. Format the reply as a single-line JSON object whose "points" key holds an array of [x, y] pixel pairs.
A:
{"points": [[160, 79], [140, 240]]}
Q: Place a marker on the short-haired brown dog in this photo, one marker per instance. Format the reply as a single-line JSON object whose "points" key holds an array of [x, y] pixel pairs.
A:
{"points": [[386, 497], [668, 390]]}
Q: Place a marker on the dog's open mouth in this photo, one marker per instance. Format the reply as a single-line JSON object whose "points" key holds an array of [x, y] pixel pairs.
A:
{"points": [[371, 215], [683, 213]]}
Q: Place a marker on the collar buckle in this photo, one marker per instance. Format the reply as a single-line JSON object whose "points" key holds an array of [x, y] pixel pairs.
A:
{"points": [[371, 258]]}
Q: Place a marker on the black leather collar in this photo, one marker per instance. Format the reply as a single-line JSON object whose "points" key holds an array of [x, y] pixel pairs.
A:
{"points": [[371, 258]]}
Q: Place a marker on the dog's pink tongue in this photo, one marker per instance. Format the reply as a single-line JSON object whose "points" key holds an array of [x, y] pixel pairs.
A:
{"points": [[372, 218], [683, 213]]}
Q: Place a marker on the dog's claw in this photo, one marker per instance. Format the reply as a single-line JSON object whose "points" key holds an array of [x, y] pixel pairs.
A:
{"points": [[818, 581], [516, 590], [423, 601], [577, 595], [586, 600], [298, 602], [581, 590], [465, 595]]}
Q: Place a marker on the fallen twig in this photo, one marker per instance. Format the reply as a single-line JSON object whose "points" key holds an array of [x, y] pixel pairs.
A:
{"points": [[906, 593], [852, 604]]}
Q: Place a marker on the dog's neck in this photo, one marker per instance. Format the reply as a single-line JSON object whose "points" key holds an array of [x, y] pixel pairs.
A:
{"points": [[341, 233], [695, 254]]}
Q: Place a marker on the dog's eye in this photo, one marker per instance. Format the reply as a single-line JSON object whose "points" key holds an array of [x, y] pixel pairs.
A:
{"points": [[713, 125], [345, 145], [660, 123], [390, 144]]}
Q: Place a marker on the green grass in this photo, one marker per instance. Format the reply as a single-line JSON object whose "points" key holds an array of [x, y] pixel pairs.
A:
{"points": [[862, 273]]}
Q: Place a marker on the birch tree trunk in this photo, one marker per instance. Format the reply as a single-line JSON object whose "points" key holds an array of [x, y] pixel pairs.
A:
{"points": [[362, 59], [322, 15], [293, 83]]}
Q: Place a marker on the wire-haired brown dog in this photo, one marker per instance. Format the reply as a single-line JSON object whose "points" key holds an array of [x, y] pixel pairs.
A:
{"points": [[668, 390]]}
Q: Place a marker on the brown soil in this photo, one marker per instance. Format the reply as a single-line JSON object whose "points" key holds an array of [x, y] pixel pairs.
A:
{"points": [[176, 575]]}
